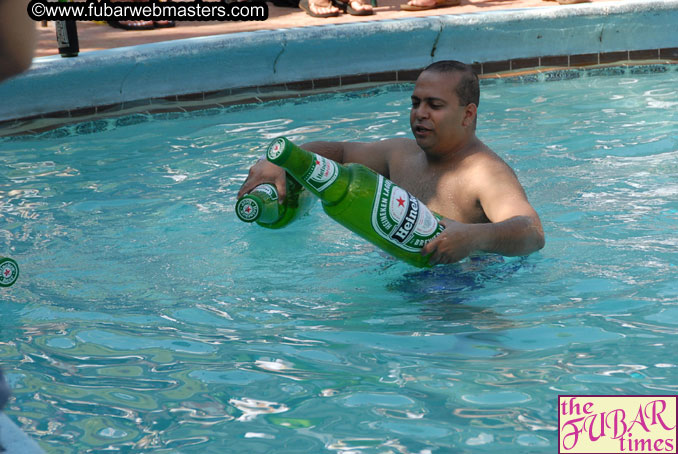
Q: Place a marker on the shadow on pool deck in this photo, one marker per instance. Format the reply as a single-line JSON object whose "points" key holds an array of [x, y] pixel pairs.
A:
{"points": [[96, 36]]}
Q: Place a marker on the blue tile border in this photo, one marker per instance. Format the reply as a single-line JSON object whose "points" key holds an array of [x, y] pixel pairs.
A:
{"points": [[629, 68]]}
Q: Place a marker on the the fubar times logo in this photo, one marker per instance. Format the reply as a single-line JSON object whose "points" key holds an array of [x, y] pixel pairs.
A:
{"points": [[617, 424]]}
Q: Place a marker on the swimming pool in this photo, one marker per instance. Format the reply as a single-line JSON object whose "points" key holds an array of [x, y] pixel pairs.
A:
{"points": [[149, 319]]}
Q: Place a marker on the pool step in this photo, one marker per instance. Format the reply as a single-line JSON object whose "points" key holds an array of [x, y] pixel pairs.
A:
{"points": [[14, 441]]}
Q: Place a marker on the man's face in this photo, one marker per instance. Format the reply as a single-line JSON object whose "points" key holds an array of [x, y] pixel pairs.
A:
{"points": [[438, 122]]}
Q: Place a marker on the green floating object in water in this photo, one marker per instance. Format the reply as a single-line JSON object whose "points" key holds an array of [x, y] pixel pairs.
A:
{"points": [[9, 271]]}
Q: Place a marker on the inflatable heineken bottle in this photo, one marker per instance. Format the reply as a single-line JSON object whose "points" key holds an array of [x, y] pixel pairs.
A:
{"points": [[362, 201], [9, 271], [261, 205]]}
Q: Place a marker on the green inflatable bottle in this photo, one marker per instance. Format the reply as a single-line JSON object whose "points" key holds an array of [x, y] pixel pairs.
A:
{"points": [[261, 205], [362, 201], [9, 271]]}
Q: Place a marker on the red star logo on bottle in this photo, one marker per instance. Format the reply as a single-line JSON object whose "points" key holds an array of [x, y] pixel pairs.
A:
{"points": [[401, 202]]}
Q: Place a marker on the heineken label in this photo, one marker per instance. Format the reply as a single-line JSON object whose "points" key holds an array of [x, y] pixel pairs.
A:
{"points": [[9, 272], [322, 173], [247, 209], [267, 189], [401, 218]]}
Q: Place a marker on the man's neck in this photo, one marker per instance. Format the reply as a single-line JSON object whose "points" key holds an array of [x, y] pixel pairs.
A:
{"points": [[455, 153]]}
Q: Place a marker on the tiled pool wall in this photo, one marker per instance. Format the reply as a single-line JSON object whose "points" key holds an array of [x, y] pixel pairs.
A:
{"points": [[547, 43]]}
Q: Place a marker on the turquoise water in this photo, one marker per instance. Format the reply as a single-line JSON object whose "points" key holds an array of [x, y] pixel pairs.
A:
{"points": [[148, 319]]}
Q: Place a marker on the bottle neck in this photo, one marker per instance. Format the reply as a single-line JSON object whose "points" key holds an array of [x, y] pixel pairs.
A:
{"points": [[323, 177]]}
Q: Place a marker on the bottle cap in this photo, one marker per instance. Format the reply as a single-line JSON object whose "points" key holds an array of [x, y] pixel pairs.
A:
{"points": [[9, 272], [276, 149]]}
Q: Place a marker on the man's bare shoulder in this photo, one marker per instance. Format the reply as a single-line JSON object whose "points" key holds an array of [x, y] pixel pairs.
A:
{"points": [[483, 159], [488, 173]]}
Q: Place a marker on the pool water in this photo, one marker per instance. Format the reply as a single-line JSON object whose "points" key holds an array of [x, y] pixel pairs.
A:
{"points": [[148, 319]]}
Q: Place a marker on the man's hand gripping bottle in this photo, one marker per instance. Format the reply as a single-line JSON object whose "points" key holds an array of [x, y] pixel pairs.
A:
{"points": [[261, 205]]}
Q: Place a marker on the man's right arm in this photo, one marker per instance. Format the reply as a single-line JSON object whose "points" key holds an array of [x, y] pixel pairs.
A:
{"points": [[374, 155]]}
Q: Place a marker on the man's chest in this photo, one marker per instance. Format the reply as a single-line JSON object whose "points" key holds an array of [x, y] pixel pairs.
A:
{"points": [[448, 195]]}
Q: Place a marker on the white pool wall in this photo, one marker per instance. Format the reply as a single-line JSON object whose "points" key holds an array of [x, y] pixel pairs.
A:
{"points": [[268, 57]]}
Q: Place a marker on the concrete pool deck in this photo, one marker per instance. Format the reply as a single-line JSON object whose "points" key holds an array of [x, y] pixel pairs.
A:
{"points": [[203, 65], [101, 36]]}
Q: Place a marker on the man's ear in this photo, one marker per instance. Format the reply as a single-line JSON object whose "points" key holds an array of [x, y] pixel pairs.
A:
{"points": [[470, 112]]}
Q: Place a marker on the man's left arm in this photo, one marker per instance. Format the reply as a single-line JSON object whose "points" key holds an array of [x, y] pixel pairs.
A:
{"points": [[514, 228]]}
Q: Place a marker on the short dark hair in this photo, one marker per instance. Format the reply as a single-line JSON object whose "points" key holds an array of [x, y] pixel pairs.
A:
{"points": [[468, 88]]}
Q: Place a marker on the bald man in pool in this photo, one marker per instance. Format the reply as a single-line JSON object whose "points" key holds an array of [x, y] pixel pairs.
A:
{"points": [[446, 166]]}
